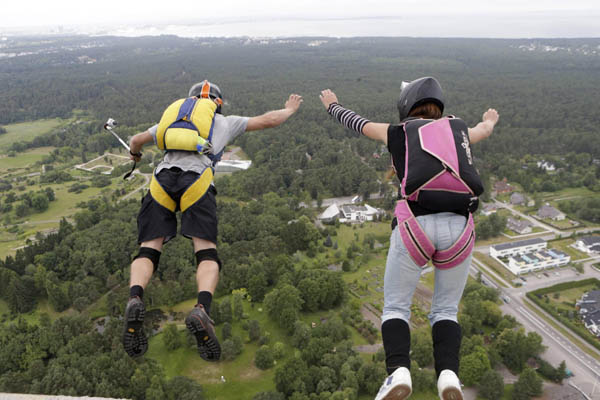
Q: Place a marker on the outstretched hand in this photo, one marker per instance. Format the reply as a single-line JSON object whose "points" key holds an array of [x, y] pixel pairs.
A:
{"points": [[293, 103], [327, 97], [490, 115]]}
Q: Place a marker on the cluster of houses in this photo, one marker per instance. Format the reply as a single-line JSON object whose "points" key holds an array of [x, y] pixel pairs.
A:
{"points": [[528, 256], [589, 311], [349, 213]]}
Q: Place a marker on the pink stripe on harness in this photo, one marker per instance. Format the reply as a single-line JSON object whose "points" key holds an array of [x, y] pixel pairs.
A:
{"points": [[420, 248]]}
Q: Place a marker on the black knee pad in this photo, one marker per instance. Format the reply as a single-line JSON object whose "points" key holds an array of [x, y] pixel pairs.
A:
{"points": [[149, 253], [208, 254]]}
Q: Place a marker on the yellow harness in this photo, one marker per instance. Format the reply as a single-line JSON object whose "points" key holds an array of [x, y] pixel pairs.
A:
{"points": [[194, 193]]}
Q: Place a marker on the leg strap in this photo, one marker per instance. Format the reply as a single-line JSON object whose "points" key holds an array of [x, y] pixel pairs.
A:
{"points": [[208, 254], [149, 253]]}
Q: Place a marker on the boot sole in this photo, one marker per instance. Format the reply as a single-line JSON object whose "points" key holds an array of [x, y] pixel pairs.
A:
{"points": [[400, 392], [208, 345], [134, 338], [452, 394]]}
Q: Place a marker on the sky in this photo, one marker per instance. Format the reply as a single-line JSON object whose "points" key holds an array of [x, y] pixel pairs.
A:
{"points": [[458, 18]]}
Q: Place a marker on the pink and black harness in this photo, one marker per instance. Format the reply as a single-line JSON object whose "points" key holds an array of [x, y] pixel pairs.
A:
{"points": [[438, 174]]}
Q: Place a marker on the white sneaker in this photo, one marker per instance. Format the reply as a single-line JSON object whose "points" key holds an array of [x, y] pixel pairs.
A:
{"points": [[449, 386], [397, 386]]}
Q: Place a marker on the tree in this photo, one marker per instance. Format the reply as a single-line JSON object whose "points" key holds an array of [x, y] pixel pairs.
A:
{"points": [[422, 347], [225, 312], [238, 305], [283, 305], [253, 330], [473, 366], [515, 347], [528, 385], [171, 337], [226, 331], [264, 357], [40, 202], [491, 386], [278, 350], [301, 335]]}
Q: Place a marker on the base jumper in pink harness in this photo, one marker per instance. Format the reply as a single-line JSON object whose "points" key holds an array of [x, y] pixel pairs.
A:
{"points": [[433, 222], [438, 175]]}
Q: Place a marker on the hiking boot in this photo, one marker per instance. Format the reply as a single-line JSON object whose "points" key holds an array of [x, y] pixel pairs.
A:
{"points": [[449, 386], [200, 325], [134, 338], [397, 386]]}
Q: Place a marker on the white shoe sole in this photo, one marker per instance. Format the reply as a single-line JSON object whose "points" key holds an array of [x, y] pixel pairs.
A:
{"points": [[452, 393], [400, 392]]}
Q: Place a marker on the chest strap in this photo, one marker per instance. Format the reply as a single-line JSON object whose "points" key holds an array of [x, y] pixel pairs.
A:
{"points": [[195, 192], [419, 246]]}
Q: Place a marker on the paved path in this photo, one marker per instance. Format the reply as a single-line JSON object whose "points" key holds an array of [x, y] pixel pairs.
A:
{"points": [[146, 183]]}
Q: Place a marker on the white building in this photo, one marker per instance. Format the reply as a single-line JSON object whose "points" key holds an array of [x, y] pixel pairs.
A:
{"points": [[520, 247], [536, 261], [330, 214], [547, 166], [352, 213], [349, 213], [528, 256], [233, 165], [489, 209], [588, 244]]}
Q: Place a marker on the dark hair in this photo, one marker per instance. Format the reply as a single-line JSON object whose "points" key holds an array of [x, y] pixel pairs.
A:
{"points": [[427, 110]]}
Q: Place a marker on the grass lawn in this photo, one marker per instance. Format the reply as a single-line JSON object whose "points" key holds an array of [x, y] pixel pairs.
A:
{"points": [[33, 317], [26, 131], [496, 267], [569, 192], [346, 233], [243, 379], [564, 245], [25, 159]]}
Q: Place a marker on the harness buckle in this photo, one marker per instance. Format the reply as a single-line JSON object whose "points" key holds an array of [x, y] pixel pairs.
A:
{"points": [[473, 204]]}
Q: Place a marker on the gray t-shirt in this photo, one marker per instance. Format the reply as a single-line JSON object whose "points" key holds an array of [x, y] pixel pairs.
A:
{"points": [[225, 130]]}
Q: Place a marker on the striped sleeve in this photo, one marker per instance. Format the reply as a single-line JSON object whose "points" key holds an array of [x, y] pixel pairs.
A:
{"points": [[348, 118]]}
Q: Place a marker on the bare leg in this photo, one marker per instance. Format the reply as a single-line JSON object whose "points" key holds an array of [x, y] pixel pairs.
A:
{"points": [[142, 268], [207, 273]]}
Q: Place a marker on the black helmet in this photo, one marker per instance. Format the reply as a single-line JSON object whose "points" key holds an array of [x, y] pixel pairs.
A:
{"points": [[417, 92], [207, 90]]}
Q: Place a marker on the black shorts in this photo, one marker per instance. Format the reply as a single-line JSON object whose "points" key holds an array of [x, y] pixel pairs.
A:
{"points": [[199, 220]]}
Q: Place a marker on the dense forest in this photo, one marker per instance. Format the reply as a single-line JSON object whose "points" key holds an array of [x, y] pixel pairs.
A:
{"points": [[267, 240]]}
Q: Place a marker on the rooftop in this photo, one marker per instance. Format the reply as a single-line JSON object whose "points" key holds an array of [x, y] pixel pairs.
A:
{"points": [[520, 243]]}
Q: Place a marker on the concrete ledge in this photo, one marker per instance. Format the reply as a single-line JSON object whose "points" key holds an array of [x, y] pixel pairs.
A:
{"points": [[12, 396]]}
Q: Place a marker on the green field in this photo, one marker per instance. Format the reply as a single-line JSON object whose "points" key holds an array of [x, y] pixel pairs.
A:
{"points": [[243, 379], [564, 245], [26, 131], [25, 159], [496, 267]]}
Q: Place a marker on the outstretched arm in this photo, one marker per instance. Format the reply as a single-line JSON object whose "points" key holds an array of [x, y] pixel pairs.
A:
{"points": [[137, 142], [484, 129], [275, 118], [351, 120]]}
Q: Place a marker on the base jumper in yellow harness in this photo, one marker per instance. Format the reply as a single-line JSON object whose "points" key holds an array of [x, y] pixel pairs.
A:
{"points": [[193, 133]]}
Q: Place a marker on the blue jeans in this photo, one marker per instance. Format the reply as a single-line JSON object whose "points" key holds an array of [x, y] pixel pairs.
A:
{"points": [[402, 274]]}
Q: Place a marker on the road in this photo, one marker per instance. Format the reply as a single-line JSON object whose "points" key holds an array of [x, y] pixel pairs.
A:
{"points": [[586, 369]]}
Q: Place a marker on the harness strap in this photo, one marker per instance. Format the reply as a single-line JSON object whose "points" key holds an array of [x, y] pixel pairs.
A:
{"points": [[193, 193], [197, 190], [161, 196], [419, 246]]}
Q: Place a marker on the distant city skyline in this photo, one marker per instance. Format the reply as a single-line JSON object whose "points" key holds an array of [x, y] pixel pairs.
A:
{"points": [[461, 18]]}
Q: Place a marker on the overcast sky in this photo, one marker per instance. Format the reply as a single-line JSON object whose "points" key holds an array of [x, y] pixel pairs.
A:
{"points": [[505, 18]]}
